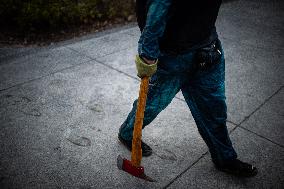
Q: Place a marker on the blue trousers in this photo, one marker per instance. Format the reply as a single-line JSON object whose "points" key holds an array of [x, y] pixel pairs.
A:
{"points": [[204, 93]]}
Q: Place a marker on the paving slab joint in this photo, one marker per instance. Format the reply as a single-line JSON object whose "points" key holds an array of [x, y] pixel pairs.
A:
{"points": [[280, 145], [43, 76], [261, 105], [184, 171]]}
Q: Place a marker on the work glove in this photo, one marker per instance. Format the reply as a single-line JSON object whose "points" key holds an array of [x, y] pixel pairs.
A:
{"points": [[144, 69]]}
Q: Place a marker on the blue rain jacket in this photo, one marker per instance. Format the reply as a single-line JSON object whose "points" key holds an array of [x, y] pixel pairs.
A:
{"points": [[148, 44]]}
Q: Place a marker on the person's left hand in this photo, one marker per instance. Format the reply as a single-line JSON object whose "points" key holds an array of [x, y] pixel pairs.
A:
{"points": [[145, 67]]}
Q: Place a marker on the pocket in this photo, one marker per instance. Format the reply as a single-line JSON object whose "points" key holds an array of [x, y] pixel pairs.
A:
{"points": [[213, 76], [208, 56]]}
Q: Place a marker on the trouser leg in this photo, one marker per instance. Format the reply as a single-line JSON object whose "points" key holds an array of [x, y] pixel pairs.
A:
{"points": [[205, 96], [162, 89]]}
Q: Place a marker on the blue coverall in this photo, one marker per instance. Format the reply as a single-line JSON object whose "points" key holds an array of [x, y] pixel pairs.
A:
{"points": [[203, 90]]}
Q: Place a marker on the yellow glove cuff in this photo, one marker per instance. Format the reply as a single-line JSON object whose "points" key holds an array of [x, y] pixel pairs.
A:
{"points": [[143, 69]]}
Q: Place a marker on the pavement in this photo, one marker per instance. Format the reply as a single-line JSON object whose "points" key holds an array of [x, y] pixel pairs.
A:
{"points": [[61, 107]]}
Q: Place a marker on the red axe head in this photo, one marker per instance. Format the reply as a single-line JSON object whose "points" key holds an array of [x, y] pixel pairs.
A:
{"points": [[127, 166]]}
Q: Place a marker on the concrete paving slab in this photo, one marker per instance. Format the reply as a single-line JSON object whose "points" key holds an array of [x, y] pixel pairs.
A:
{"points": [[32, 66], [268, 120], [266, 156], [123, 60], [135, 31], [12, 52], [252, 76], [256, 23], [68, 132], [251, 32], [105, 45]]}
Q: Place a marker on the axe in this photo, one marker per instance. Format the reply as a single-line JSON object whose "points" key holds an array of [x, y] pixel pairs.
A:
{"points": [[133, 166]]}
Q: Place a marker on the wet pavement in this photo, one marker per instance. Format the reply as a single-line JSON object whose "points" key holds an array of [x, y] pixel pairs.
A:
{"points": [[61, 107]]}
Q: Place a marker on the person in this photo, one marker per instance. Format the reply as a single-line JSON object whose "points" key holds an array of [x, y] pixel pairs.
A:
{"points": [[179, 48]]}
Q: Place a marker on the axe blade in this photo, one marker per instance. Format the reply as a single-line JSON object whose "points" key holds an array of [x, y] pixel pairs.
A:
{"points": [[126, 165]]}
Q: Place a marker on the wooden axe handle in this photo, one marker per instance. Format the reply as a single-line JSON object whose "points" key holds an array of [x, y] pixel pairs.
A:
{"points": [[136, 153]]}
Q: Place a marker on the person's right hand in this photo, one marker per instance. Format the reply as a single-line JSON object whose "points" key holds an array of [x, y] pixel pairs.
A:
{"points": [[145, 68]]}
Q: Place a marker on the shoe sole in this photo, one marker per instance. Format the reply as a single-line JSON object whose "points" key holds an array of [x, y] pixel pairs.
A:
{"points": [[238, 174], [124, 144]]}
